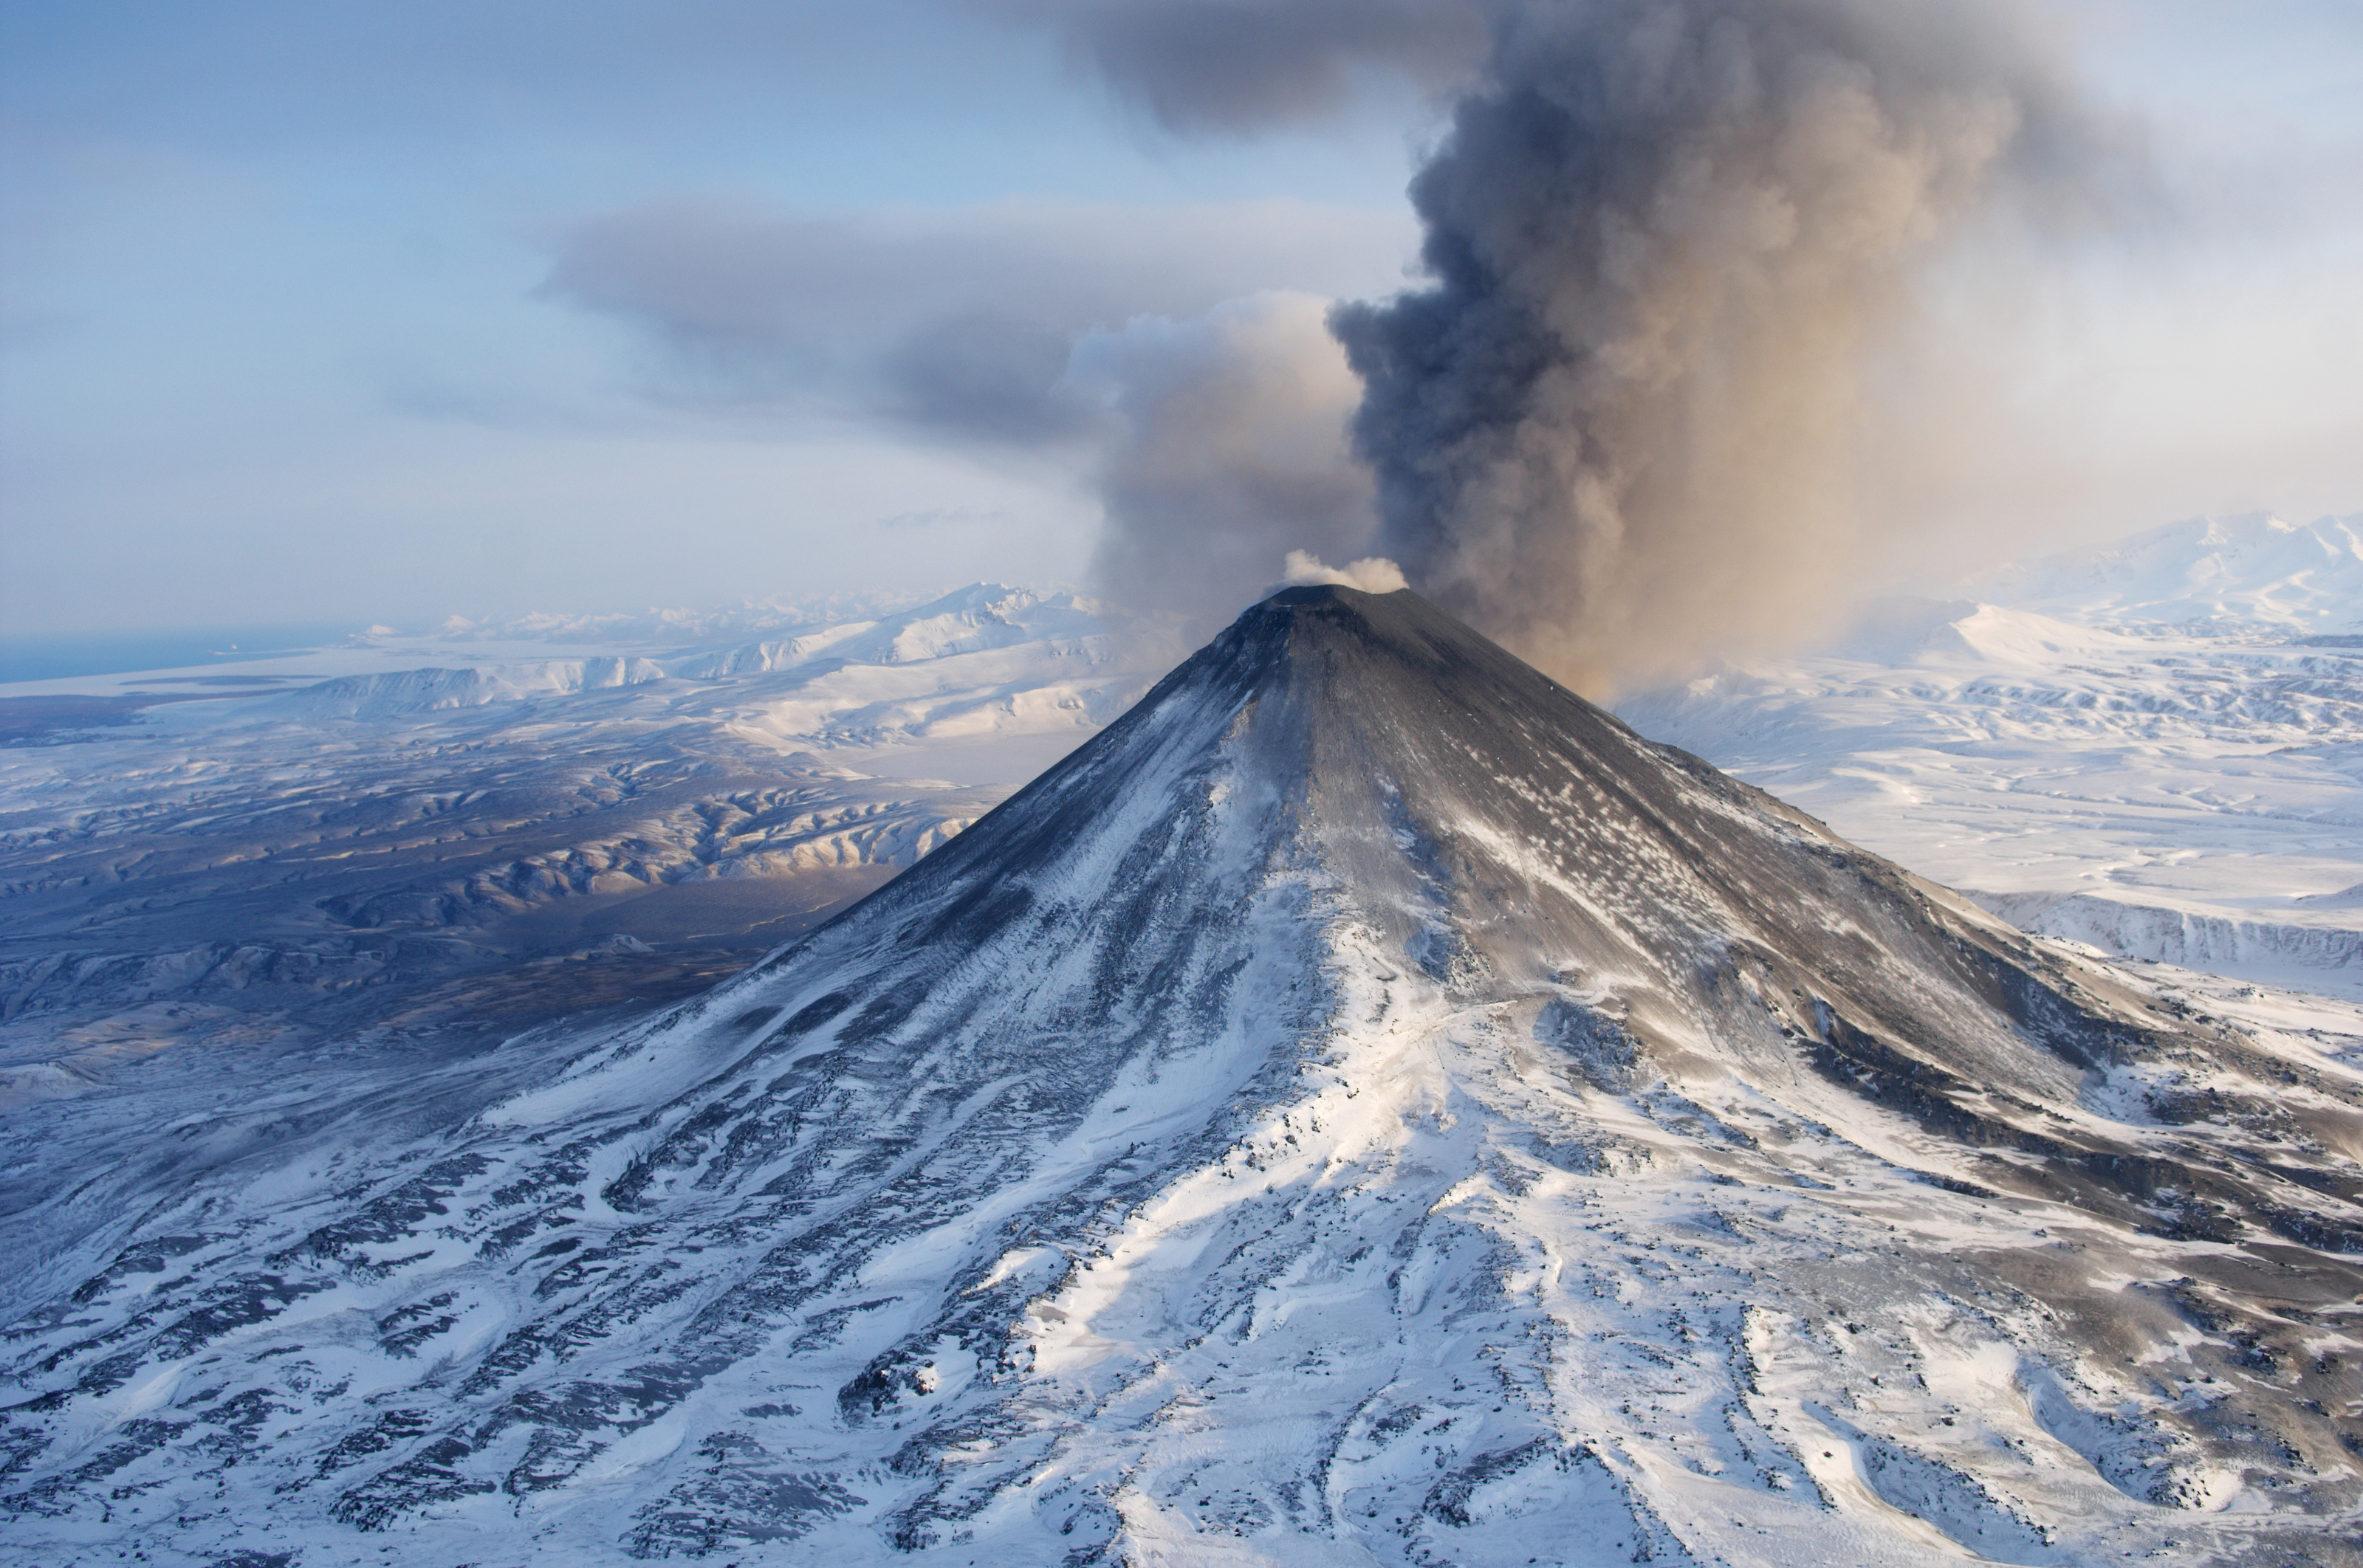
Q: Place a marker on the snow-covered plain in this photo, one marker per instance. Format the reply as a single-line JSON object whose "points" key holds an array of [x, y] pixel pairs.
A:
{"points": [[532, 798], [1365, 1107], [2155, 748], [385, 857]]}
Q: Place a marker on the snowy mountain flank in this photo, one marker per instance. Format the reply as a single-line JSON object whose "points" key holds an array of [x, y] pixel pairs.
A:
{"points": [[334, 880], [1367, 1105]]}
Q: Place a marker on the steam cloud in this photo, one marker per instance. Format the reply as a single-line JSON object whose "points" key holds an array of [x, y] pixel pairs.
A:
{"points": [[1623, 426], [1371, 574]]}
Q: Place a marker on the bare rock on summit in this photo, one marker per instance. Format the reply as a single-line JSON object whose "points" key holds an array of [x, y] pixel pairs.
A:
{"points": [[1366, 1106]]}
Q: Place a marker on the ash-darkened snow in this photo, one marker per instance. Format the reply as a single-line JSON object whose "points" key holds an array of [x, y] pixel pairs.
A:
{"points": [[1366, 1106]]}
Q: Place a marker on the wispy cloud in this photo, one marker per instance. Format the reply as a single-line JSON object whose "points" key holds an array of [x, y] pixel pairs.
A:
{"points": [[958, 322]]}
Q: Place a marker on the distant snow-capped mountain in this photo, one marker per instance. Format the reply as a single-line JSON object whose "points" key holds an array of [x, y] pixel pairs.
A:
{"points": [[771, 617], [985, 618], [2248, 575], [2154, 747], [1366, 1106]]}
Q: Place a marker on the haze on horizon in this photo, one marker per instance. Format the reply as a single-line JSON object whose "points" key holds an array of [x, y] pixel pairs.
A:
{"points": [[312, 316]]}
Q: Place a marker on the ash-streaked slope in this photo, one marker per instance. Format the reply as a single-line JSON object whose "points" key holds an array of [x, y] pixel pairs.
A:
{"points": [[1366, 1106]]}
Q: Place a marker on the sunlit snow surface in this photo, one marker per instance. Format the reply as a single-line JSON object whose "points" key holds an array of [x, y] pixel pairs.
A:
{"points": [[1364, 1108], [2155, 749], [337, 873]]}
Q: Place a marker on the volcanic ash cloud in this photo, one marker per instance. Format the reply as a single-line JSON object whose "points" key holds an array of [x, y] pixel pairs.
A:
{"points": [[1666, 239]]}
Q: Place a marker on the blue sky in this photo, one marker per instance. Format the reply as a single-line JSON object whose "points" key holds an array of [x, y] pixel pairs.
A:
{"points": [[316, 313]]}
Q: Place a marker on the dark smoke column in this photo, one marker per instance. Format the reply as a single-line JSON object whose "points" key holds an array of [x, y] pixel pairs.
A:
{"points": [[1620, 427]]}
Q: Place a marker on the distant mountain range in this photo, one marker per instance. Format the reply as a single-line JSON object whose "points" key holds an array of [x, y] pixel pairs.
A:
{"points": [[981, 619], [2155, 748], [2248, 575]]}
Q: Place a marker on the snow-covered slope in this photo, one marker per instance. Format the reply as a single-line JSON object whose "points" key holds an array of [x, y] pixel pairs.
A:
{"points": [[845, 682], [407, 691], [2171, 778], [2240, 575], [1366, 1106], [388, 862]]}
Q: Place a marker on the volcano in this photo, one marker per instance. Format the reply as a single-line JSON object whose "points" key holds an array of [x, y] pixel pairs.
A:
{"points": [[1366, 1106]]}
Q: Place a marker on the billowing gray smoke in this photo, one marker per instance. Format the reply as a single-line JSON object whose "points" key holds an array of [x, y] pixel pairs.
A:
{"points": [[1672, 243], [1621, 427], [1625, 424]]}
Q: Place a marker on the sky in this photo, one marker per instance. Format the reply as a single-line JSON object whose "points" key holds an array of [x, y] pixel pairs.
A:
{"points": [[313, 314]]}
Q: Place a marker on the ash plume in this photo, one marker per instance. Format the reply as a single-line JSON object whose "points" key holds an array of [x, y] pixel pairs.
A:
{"points": [[1620, 427], [1226, 446]]}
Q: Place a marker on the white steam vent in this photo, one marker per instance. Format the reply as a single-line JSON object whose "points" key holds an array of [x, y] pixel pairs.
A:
{"points": [[1371, 574]]}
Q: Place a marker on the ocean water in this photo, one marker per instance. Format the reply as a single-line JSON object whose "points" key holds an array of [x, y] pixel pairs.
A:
{"points": [[59, 657]]}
